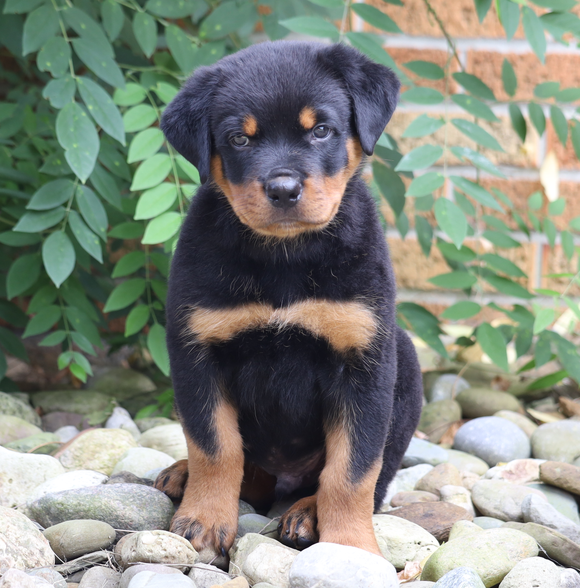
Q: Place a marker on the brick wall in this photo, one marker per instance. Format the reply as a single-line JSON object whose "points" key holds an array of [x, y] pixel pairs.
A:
{"points": [[482, 48]]}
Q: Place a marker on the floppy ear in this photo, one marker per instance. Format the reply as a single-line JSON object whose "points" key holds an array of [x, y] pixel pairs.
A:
{"points": [[373, 88], [186, 120]]}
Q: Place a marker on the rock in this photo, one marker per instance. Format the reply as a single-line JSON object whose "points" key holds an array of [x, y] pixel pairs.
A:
{"points": [[245, 508], [150, 422], [239, 582], [122, 383], [100, 576], [402, 541], [206, 576], [67, 481], [462, 577], [13, 428], [139, 460], [420, 584], [327, 565], [71, 539], [488, 522], [569, 579], [21, 473], [153, 580], [437, 417], [518, 471], [483, 402], [465, 462], [67, 433], [492, 439], [469, 479], [534, 571], [501, 500], [535, 510], [39, 444], [435, 517], [159, 547], [491, 554], [558, 441], [12, 406], [56, 420], [261, 559], [562, 501], [123, 506], [167, 438], [524, 423], [446, 387], [404, 481], [98, 450], [266, 585], [463, 528], [404, 498], [17, 579], [459, 496], [441, 475], [255, 523], [53, 578], [76, 401], [121, 419], [128, 478], [132, 571], [22, 545], [420, 451], [560, 474]]}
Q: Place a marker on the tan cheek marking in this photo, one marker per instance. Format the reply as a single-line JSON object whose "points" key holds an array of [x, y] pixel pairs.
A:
{"points": [[250, 127], [307, 117]]}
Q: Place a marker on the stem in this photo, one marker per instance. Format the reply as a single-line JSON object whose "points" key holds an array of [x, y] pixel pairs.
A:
{"points": [[345, 14], [69, 205], [65, 36], [432, 12]]}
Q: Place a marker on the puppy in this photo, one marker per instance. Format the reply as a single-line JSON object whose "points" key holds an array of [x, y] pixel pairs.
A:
{"points": [[289, 369]]}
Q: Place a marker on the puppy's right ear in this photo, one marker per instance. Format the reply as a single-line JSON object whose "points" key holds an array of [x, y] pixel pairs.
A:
{"points": [[186, 120]]}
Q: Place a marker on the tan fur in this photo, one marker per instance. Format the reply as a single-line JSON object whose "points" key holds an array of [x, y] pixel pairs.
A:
{"points": [[345, 325], [300, 520], [250, 127], [307, 117]]}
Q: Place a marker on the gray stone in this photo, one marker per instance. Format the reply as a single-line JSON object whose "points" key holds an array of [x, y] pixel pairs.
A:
{"points": [[10, 405], [558, 441], [39, 444], [404, 481], [121, 419], [421, 451], [56, 420], [535, 510], [404, 498], [150, 422], [67, 481], [462, 577], [121, 383], [100, 577], [22, 545], [569, 579], [420, 584], [441, 475], [17, 579], [245, 508], [463, 528], [561, 500], [501, 500], [482, 402], [50, 575], [98, 450], [436, 418], [123, 506], [72, 539], [13, 428], [534, 571], [77, 401], [492, 439], [518, 471], [206, 576], [488, 522], [140, 460], [255, 523], [446, 387], [327, 565], [459, 496], [465, 462], [166, 438], [66, 433], [21, 473], [132, 571], [524, 423], [153, 580], [128, 478], [265, 585]]}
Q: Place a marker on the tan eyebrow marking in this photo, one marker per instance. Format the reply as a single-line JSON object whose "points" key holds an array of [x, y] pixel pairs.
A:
{"points": [[307, 117], [250, 125]]}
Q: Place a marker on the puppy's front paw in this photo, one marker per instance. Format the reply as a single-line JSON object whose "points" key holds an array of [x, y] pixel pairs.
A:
{"points": [[172, 480], [297, 526]]}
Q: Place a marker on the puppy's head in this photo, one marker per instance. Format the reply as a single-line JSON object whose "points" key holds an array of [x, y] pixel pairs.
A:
{"points": [[281, 127]]}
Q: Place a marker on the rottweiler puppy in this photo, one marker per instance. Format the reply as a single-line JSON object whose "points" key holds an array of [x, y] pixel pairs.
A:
{"points": [[288, 366]]}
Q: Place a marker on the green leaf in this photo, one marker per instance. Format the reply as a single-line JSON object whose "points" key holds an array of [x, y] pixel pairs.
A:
{"points": [[78, 137], [92, 211], [131, 95], [145, 144], [426, 69], [20, 6], [476, 192], [575, 136], [12, 344], [482, 7], [568, 244], [113, 18], [99, 63], [546, 89], [312, 26], [478, 159], [59, 257], [535, 201], [129, 264], [52, 194], [493, 344], [145, 30], [422, 126], [518, 121], [85, 237], [139, 117], [40, 26], [17, 239], [42, 297], [376, 18], [451, 220], [477, 134], [181, 48], [537, 117], [188, 169], [162, 228], [503, 265], [78, 372], [573, 306], [461, 310], [155, 201], [507, 286], [54, 57], [81, 322], [475, 107], [125, 294], [425, 184], [54, 338], [509, 15], [151, 172], [83, 343], [171, 8], [420, 95], [560, 124], [23, 273], [127, 231], [372, 49], [500, 239], [424, 323], [89, 30], [165, 92], [35, 222], [534, 32], [451, 252], [424, 234], [508, 78], [557, 207], [101, 108], [391, 186], [136, 320], [106, 186], [550, 231], [556, 5], [568, 95], [548, 381], [12, 314], [158, 348], [454, 280], [419, 158], [60, 92], [544, 318], [474, 85], [42, 321]]}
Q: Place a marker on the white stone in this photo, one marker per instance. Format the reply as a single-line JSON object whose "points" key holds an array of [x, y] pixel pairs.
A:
{"points": [[67, 481], [18, 579], [457, 495], [166, 438], [153, 580], [405, 480], [140, 460], [121, 419], [66, 433], [536, 510], [533, 571]]}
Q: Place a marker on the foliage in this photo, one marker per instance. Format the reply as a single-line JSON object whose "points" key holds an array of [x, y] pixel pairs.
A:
{"points": [[92, 197]]}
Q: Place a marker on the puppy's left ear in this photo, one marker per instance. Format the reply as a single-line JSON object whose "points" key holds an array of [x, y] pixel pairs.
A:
{"points": [[373, 89]]}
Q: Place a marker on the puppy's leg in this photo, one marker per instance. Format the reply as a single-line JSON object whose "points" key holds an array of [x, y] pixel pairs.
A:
{"points": [[172, 480]]}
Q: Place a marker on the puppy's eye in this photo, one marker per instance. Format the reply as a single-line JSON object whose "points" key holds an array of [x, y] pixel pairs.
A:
{"points": [[321, 131], [239, 140]]}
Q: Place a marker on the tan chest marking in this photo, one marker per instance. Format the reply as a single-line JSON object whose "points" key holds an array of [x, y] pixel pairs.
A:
{"points": [[345, 325]]}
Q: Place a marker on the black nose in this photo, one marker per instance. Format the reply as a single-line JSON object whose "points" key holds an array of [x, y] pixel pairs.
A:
{"points": [[284, 191]]}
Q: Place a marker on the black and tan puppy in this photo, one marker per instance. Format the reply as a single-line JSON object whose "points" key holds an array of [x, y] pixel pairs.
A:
{"points": [[288, 366]]}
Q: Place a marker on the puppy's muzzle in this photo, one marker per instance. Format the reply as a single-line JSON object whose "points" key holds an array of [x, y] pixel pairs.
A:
{"points": [[284, 189]]}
